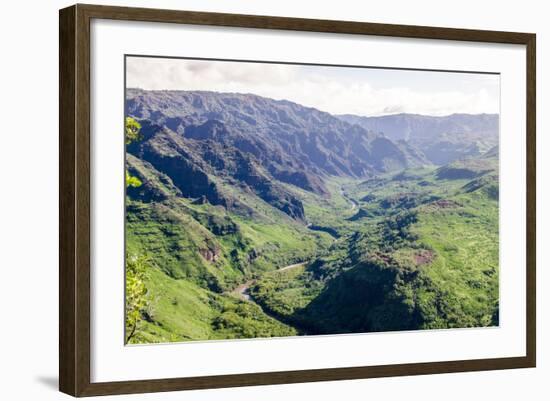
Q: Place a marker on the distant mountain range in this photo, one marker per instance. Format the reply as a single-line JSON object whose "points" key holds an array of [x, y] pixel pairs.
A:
{"points": [[441, 139], [195, 138]]}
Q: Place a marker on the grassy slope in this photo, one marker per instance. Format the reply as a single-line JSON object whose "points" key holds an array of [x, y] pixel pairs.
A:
{"points": [[188, 294], [181, 311], [465, 240]]}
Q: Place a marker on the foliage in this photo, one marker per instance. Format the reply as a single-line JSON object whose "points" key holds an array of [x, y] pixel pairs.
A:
{"points": [[132, 133], [433, 265], [132, 130], [131, 181], [136, 293], [136, 266]]}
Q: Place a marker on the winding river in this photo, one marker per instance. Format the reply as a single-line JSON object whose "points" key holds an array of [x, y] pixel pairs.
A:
{"points": [[242, 290], [353, 202]]}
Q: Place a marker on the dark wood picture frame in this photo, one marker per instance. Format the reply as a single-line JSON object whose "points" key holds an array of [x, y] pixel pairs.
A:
{"points": [[74, 199]]}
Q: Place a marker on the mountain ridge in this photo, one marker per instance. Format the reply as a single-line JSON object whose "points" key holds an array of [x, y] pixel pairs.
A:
{"points": [[257, 142], [442, 139], [193, 136]]}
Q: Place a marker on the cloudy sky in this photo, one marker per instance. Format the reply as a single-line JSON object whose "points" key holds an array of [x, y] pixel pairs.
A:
{"points": [[338, 90]]}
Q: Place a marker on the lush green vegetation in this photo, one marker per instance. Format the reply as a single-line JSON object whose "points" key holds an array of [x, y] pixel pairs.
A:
{"points": [[136, 265], [186, 256], [414, 249], [136, 293], [201, 253], [423, 254], [183, 310]]}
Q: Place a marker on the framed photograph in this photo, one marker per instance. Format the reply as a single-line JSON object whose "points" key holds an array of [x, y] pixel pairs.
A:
{"points": [[250, 200]]}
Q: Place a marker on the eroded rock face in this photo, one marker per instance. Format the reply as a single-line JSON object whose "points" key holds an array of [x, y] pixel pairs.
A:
{"points": [[424, 257], [210, 255], [192, 137], [295, 144]]}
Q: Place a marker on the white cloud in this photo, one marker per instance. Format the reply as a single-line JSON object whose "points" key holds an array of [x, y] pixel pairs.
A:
{"points": [[365, 92]]}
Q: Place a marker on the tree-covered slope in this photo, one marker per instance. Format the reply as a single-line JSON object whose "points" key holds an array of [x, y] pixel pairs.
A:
{"points": [[425, 257], [197, 252]]}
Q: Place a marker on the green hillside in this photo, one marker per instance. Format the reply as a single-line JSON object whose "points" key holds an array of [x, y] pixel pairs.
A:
{"points": [[423, 254], [198, 253]]}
